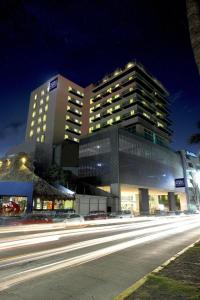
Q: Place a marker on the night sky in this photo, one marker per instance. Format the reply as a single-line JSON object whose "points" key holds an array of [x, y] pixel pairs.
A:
{"points": [[83, 40]]}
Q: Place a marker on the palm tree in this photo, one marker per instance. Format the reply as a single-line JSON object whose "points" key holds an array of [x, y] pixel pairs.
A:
{"points": [[195, 138], [193, 15]]}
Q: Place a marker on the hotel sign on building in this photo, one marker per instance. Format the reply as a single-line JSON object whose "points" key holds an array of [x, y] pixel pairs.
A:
{"points": [[53, 84]]}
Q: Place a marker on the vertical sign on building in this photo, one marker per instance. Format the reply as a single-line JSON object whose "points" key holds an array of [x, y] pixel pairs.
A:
{"points": [[53, 84]]}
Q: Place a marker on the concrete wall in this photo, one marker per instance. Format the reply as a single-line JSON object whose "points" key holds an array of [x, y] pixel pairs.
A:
{"points": [[86, 203]]}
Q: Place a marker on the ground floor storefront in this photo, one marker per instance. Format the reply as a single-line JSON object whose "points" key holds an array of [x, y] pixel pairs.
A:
{"points": [[146, 200]]}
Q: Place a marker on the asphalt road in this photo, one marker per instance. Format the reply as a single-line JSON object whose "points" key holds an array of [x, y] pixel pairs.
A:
{"points": [[88, 263]]}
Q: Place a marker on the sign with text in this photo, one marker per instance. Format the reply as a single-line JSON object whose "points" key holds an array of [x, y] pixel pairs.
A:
{"points": [[180, 182], [53, 84]]}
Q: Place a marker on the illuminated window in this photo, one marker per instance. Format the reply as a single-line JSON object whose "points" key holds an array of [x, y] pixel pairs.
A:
{"points": [[98, 116], [132, 112], [109, 90], [1, 163], [32, 123], [98, 125], [117, 106], [110, 121], [75, 139], [42, 92], [40, 111], [46, 107], [34, 105], [67, 117], [160, 124], [44, 118], [41, 101], [38, 139], [38, 130], [44, 127], [129, 65], [117, 85], [39, 120], [109, 100], [42, 138], [91, 100], [109, 111], [69, 88], [66, 136], [31, 133], [159, 114], [116, 96], [77, 101], [35, 97], [47, 98], [33, 114], [117, 118], [91, 109], [91, 119], [90, 129], [68, 107], [130, 78], [146, 115], [131, 101]]}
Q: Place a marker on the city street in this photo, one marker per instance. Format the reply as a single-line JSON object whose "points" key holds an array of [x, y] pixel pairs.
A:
{"points": [[96, 262]]}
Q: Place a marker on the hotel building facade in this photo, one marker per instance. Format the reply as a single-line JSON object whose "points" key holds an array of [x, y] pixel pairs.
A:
{"points": [[122, 126]]}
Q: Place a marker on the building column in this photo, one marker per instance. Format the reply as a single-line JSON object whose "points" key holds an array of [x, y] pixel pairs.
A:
{"points": [[144, 201], [115, 190], [171, 201]]}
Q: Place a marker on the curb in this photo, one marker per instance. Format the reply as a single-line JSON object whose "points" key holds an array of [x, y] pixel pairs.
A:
{"points": [[126, 293]]}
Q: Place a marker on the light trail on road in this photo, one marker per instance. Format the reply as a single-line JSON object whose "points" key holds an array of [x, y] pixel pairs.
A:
{"points": [[145, 235], [20, 241]]}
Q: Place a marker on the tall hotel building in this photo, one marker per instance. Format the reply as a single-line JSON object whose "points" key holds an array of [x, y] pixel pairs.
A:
{"points": [[132, 98], [55, 112]]}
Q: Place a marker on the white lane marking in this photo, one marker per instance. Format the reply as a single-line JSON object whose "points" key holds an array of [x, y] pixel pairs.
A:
{"points": [[19, 277]]}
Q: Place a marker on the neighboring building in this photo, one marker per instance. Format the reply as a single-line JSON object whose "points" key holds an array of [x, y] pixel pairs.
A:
{"points": [[131, 97], [140, 173], [191, 178]]}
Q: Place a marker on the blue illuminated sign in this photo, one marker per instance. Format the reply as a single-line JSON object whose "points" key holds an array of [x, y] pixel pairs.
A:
{"points": [[53, 84], [180, 182], [191, 154]]}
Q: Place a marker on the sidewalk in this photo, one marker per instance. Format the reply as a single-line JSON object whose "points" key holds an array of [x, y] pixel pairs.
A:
{"points": [[177, 280]]}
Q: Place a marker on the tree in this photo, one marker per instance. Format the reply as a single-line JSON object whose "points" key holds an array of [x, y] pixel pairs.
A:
{"points": [[195, 138], [193, 15]]}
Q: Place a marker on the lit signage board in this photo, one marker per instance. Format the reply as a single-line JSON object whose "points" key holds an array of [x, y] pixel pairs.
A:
{"points": [[191, 154], [179, 182], [53, 84]]}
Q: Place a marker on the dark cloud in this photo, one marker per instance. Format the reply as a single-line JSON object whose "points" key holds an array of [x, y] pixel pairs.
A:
{"points": [[10, 129]]}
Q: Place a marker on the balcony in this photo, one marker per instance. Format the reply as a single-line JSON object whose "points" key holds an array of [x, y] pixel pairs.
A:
{"points": [[72, 111], [74, 102], [96, 108], [76, 93], [72, 121]]}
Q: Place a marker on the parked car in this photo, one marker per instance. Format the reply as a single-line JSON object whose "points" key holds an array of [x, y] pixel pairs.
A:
{"points": [[33, 219], [96, 215], [73, 218]]}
